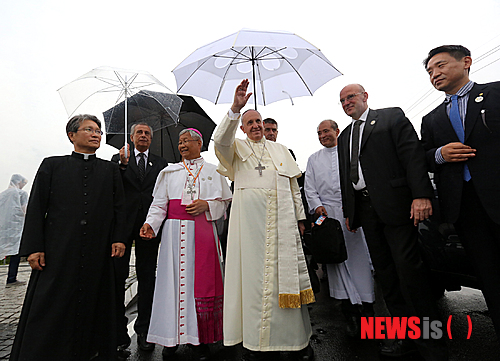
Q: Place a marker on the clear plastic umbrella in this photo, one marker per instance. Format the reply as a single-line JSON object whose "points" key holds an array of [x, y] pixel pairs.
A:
{"points": [[279, 65], [105, 87]]}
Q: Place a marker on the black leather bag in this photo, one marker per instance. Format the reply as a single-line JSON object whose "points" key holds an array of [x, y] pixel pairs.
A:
{"points": [[326, 242]]}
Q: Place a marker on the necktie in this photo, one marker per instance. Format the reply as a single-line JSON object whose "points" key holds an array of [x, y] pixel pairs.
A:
{"points": [[142, 167], [458, 126], [354, 175]]}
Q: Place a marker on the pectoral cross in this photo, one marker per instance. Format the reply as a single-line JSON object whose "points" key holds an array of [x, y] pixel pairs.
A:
{"points": [[260, 167], [190, 190]]}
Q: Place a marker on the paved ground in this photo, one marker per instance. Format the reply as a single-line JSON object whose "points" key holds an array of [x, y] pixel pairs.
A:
{"points": [[329, 339], [11, 302], [12, 298]]}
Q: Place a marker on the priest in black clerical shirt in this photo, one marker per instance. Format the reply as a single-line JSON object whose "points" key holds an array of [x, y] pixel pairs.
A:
{"points": [[72, 232]]}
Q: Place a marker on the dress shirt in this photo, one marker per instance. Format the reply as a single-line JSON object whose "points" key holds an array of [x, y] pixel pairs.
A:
{"points": [[361, 182], [463, 98], [137, 158]]}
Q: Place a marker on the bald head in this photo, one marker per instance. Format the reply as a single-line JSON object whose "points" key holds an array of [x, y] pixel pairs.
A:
{"points": [[353, 98]]}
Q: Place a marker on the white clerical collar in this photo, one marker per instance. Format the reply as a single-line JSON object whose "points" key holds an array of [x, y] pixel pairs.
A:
{"points": [[331, 149], [363, 116], [86, 155]]}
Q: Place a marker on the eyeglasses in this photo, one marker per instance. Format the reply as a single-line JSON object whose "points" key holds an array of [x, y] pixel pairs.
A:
{"points": [[349, 97], [91, 131], [186, 141]]}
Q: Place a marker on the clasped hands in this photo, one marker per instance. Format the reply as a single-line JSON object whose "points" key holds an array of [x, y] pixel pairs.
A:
{"points": [[194, 209]]}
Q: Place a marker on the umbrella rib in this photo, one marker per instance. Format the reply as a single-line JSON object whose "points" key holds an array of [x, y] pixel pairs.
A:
{"points": [[192, 73], [125, 84], [261, 86], [169, 111], [300, 76], [327, 61], [114, 84], [232, 57], [223, 80], [277, 51], [240, 52]]}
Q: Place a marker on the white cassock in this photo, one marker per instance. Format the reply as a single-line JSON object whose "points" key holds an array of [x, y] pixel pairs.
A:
{"points": [[187, 303], [351, 279], [266, 284]]}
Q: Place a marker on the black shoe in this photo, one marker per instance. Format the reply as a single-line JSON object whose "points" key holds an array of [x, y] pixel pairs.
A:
{"points": [[353, 326], [398, 348], [203, 352], [254, 356], [143, 344], [169, 352], [122, 351], [306, 354]]}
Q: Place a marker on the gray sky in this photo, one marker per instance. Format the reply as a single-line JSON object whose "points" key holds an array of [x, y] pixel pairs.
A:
{"points": [[45, 44]]}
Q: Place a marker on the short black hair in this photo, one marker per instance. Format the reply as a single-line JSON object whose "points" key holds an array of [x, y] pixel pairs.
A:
{"points": [[75, 122], [456, 51], [333, 124], [270, 121]]}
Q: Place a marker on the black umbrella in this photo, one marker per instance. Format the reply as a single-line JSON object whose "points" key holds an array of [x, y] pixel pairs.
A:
{"points": [[157, 109], [165, 140]]}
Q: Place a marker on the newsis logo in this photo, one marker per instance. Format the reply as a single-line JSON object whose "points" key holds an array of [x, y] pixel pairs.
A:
{"points": [[391, 328]]}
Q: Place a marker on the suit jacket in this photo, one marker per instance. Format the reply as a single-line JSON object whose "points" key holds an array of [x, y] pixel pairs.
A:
{"points": [[393, 164], [138, 196], [482, 132]]}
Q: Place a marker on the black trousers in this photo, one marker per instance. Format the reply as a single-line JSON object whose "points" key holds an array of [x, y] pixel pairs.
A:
{"points": [[400, 271], [146, 254], [399, 267], [480, 236], [13, 268]]}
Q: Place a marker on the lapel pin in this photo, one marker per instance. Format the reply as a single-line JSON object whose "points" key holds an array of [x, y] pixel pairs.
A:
{"points": [[150, 164], [202, 179], [209, 178], [372, 122], [480, 98], [281, 164]]}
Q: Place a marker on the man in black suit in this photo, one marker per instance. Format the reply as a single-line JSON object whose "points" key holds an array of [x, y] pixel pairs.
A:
{"points": [[466, 163], [386, 190], [139, 170]]}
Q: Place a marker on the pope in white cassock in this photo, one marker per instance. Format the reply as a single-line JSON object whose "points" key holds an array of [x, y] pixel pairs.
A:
{"points": [[350, 281], [187, 304], [267, 285]]}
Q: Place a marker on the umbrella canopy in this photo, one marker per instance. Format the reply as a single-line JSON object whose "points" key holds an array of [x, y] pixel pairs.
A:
{"points": [[166, 139], [154, 108], [104, 87], [279, 65]]}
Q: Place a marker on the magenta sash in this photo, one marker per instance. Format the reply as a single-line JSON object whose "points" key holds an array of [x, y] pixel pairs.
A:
{"points": [[208, 287]]}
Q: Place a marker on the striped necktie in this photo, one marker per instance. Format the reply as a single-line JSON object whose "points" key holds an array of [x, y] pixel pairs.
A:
{"points": [[142, 167]]}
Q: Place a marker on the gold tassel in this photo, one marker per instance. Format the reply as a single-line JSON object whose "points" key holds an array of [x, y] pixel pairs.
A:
{"points": [[288, 300], [307, 296]]}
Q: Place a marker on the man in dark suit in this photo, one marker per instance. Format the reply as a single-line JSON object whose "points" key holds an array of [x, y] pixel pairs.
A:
{"points": [[139, 170], [386, 190], [466, 163]]}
